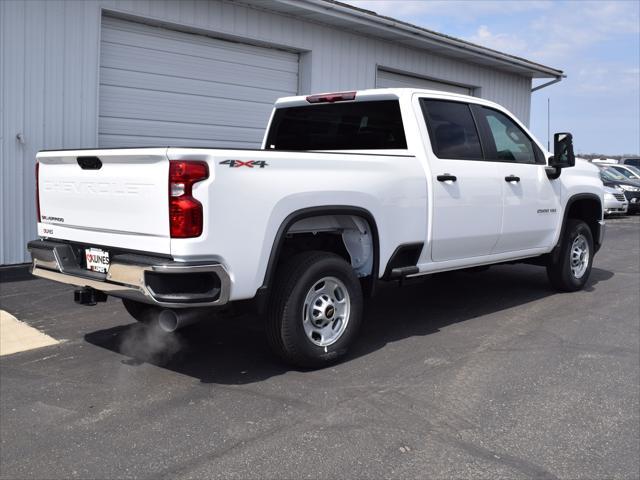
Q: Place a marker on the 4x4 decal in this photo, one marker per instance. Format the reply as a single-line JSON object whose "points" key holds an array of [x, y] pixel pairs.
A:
{"points": [[243, 163]]}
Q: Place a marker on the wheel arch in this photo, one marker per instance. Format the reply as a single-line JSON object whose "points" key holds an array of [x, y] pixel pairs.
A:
{"points": [[586, 207], [309, 212]]}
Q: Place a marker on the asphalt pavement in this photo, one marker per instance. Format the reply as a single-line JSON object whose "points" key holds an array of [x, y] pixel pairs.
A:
{"points": [[463, 375]]}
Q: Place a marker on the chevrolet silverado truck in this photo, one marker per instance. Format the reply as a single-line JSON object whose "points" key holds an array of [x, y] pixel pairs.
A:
{"points": [[349, 189]]}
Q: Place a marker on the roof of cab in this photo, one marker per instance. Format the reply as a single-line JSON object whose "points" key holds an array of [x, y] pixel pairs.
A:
{"points": [[384, 94]]}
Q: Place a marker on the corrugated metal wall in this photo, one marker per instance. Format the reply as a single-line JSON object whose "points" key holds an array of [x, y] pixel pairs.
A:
{"points": [[49, 92], [49, 77]]}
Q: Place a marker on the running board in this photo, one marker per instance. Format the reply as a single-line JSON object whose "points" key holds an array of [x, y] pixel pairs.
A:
{"points": [[402, 272]]}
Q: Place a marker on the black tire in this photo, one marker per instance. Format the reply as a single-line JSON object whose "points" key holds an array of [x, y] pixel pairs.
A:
{"points": [[285, 331], [560, 273]]}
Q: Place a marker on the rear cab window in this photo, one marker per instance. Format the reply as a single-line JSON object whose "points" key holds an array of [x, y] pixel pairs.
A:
{"points": [[452, 130], [364, 125]]}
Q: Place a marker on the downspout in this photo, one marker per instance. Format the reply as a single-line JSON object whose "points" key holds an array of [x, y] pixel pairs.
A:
{"points": [[555, 80]]}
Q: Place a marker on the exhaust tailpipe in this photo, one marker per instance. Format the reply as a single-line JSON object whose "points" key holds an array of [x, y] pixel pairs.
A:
{"points": [[171, 320]]}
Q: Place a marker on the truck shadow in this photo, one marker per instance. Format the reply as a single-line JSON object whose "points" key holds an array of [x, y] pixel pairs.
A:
{"points": [[233, 350]]}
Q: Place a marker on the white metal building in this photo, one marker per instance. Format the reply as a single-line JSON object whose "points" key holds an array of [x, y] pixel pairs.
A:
{"points": [[112, 73]]}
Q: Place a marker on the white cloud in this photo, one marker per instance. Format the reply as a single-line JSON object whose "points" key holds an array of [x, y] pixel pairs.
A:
{"points": [[614, 17], [575, 27], [503, 42], [606, 77], [542, 30]]}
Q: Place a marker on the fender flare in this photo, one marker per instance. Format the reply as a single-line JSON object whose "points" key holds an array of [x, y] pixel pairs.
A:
{"points": [[308, 212]]}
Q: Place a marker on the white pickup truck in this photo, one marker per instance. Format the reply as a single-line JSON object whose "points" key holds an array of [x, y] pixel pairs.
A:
{"points": [[348, 190]]}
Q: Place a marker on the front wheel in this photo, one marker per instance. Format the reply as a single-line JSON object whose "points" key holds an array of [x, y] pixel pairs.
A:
{"points": [[570, 271], [315, 311]]}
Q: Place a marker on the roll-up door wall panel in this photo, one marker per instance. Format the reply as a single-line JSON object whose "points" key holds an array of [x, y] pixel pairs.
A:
{"points": [[164, 87], [387, 79]]}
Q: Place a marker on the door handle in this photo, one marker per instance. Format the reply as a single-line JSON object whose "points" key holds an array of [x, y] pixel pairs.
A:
{"points": [[512, 178], [447, 178]]}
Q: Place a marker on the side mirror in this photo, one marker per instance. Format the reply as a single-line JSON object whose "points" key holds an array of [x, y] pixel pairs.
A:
{"points": [[563, 156]]}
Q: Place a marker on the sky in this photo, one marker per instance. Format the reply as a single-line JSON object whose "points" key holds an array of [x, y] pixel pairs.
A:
{"points": [[596, 44]]}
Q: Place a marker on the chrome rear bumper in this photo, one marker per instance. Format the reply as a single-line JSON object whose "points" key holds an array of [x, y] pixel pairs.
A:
{"points": [[146, 279]]}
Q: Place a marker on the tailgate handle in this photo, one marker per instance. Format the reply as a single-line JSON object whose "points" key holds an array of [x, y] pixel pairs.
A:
{"points": [[89, 163]]}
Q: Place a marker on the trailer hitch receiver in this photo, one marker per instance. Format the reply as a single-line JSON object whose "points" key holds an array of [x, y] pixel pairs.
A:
{"points": [[88, 296]]}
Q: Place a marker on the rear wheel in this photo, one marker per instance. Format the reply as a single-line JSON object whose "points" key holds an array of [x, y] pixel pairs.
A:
{"points": [[316, 309], [572, 267]]}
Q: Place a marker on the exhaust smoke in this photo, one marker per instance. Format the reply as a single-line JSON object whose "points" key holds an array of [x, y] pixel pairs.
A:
{"points": [[149, 343]]}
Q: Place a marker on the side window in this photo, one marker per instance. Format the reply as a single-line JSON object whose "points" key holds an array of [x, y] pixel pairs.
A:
{"points": [[452, 130], [511, 143], [624, 172]]}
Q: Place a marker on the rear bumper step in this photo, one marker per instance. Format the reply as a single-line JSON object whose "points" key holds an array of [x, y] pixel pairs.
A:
{"points": [[147, 279]]}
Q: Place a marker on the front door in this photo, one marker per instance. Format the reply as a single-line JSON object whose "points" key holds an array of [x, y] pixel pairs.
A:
{"points": [[531, 202]]}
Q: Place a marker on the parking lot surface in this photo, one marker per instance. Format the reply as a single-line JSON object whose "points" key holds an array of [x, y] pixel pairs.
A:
{"points": [[463, 375]]}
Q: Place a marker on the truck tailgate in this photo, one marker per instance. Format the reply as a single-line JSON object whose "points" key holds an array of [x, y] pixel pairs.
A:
{"points": [[113, 198]]}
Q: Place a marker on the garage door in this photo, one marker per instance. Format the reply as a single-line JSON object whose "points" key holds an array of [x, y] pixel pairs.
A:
{"points": [[387, 79], [164, 87]]}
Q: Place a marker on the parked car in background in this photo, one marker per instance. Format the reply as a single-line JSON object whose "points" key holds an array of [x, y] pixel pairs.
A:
{"points": [[631, 161], [631, 188], [605, 161], [629, 171], [615, 203]]}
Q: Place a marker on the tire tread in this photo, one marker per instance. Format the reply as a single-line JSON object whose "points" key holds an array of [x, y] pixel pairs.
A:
{"points": [[558, 271], [280, 335]]}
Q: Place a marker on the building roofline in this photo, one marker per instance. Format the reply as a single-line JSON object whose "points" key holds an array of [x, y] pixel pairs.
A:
{"points": [[338, 11]]}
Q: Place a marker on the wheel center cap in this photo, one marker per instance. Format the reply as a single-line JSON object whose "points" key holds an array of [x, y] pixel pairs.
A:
{"points": [[329, 311]]}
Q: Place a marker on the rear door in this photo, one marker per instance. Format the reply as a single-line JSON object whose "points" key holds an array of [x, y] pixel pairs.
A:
{"points": [[531, 201], [113, 198], [467, 191]]}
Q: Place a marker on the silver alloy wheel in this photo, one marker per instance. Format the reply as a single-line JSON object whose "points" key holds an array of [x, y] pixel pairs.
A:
{"points": [[325, 312], [579, 256]]}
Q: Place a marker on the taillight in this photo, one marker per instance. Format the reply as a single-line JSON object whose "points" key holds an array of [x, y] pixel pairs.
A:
{"points": [[185, 212], [38, 189]]}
